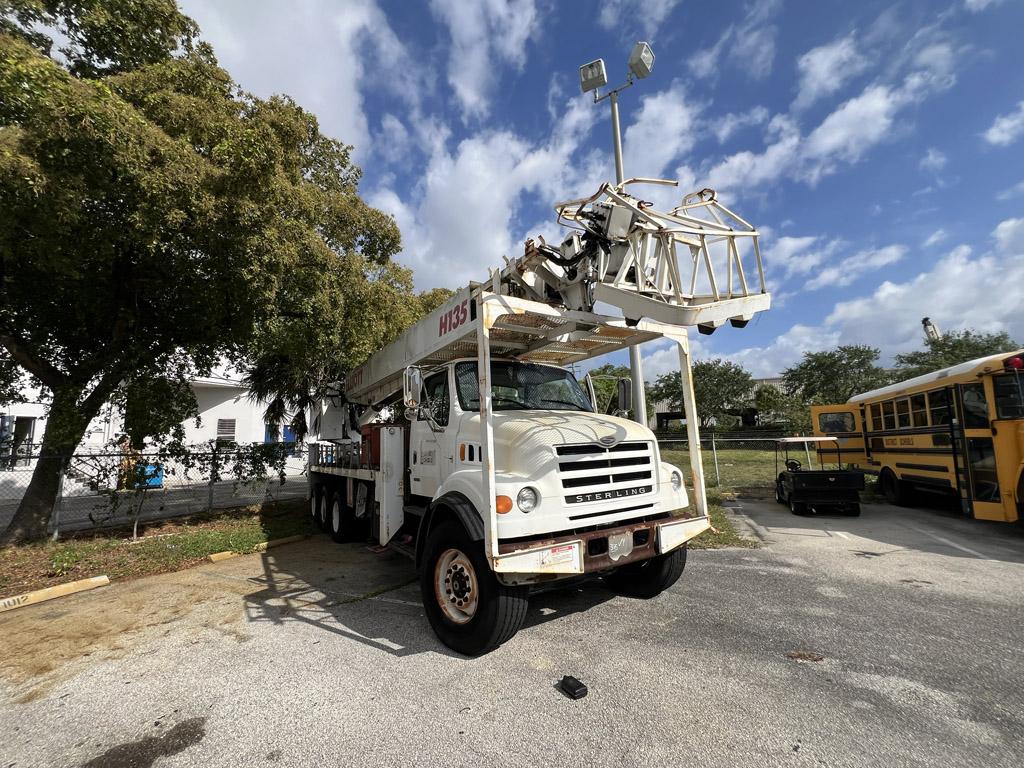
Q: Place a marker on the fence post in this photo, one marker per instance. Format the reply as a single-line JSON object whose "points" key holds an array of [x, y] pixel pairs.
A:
{"points": [[213, 474], [58, 502], [714, 452]]}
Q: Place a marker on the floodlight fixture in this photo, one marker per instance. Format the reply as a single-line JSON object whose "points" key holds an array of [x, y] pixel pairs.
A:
{"points": [[592, 75], [641, 60]]}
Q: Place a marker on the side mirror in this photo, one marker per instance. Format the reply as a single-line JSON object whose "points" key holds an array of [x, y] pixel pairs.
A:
{"points": [[412, 386], [624, 394]]}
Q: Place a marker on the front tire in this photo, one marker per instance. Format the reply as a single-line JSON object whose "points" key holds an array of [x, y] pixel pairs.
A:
{"points": [[469, 610], [648, 578]]}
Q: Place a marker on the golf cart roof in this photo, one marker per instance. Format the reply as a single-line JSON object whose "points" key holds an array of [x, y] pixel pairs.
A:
{"points": [[787, 440]]}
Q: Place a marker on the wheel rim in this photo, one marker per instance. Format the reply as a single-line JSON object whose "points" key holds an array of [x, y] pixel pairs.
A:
{"points": [[321, 514], [313, 504], [456, 586], [336, 517]]}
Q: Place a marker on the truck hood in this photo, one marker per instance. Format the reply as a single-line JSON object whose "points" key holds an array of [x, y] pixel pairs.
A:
{"points": [[524, 441]]}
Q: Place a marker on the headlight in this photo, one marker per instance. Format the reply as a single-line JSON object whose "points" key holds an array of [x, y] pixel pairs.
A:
{"points": [[527, 499], [677, 481]]}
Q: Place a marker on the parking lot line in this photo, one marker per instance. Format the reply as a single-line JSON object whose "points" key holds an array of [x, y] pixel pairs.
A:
{"points": [[840, 534], [950, 543]]}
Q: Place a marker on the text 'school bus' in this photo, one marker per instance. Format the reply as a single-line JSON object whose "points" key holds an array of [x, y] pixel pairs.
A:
{"points": [[959, 430]]}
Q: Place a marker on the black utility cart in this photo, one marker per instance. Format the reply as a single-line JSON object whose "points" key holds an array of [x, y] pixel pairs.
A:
{"points": [[815, 490]]}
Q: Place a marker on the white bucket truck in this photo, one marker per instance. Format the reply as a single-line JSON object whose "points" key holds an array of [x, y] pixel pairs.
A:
{"points": [[469, 445]]}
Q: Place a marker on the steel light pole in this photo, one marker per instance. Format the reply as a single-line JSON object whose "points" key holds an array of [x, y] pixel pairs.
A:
{"points": [[593, 78]]}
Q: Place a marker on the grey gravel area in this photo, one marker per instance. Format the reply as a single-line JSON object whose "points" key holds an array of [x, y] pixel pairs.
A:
{"points": [[304, 656]]}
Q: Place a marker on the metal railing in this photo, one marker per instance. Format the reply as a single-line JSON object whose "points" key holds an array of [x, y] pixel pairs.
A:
{"points": [[101, 488]]}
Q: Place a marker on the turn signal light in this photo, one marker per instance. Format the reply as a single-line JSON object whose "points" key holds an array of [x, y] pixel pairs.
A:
{"points": [[503, 504]]}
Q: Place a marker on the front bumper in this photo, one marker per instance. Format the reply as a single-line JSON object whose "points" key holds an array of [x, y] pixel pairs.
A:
{"points": [[588, 552]]}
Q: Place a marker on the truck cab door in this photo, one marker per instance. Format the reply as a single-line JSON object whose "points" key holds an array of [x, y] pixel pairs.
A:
{"points": [[842, 422], [428, 466]]}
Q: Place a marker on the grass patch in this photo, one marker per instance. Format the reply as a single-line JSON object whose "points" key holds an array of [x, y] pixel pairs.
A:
{"points": [[162, 546], [739, 469], [724, 533]]}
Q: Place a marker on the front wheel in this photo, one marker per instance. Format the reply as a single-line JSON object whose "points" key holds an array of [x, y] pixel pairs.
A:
{"points": [[469, 610], [648, 578]]}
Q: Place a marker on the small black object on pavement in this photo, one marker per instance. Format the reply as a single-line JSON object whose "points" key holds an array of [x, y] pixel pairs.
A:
{"points": [[572, 687]]}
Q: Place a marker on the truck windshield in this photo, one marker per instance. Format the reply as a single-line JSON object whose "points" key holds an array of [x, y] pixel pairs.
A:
{"points": [[521, 386]]}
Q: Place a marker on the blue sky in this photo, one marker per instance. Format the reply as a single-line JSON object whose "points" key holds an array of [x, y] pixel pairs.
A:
{"points": [[878, 146]]}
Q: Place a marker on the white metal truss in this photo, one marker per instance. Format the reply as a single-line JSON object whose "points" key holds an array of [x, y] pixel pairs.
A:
{"points": [[696, 264]]}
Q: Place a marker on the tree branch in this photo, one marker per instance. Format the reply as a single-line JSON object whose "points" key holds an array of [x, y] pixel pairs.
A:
{"points": [[51, 376]]}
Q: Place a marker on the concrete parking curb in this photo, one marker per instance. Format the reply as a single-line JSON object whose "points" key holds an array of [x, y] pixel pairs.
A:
{"points": [[263, 546], [49, 593]]}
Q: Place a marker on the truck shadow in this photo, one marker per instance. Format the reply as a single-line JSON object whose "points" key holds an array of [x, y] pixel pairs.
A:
{"points": [[356, 593]]}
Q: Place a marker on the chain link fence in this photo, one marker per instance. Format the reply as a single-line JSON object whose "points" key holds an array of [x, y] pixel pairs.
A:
{"points": [[739, 462], [103, 488]]}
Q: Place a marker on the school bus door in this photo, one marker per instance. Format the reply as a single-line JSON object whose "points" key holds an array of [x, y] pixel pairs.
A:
{"points": [[842, 422]]}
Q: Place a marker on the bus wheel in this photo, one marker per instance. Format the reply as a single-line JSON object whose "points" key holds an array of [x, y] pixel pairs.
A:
{"points": [[648, 578], [469, 610], [892, 488], [340, 518]]}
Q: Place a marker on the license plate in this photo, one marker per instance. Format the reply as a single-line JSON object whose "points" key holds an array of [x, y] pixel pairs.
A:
{"points": [[620, 545]]}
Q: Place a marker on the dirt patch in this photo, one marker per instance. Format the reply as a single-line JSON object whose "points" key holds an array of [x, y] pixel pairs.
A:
{"points": [[41, 646]]}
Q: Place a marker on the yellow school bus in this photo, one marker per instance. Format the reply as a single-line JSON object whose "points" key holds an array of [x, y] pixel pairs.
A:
{"points": [[959, 430]]}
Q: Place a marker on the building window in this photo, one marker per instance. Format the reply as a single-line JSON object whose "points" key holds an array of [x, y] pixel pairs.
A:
{"points": [[225, 430]]}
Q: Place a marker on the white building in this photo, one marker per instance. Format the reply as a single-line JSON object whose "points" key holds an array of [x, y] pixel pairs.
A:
{"points": [[225, 413]]}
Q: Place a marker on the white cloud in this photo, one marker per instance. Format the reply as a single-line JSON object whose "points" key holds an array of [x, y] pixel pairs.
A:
{"points": [[482, 35], [318, 41], [976, 6], [645, 16], [936, 237], [1011, 192], [827, 68], [851, 269], [933, 160], [662, 132], [749, 45], [727, 125], [1009, 236], [462, 218], [844, 136], [1007, 128], [799, 255], [394, 143]]}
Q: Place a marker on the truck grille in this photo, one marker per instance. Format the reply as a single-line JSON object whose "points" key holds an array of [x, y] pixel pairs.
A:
{"points": [[592, 472]]}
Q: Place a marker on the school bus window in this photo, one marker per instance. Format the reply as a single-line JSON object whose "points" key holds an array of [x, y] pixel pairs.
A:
{"points": [[876, 417], [919, 410], [938, 402], [1009, 391], [889, 414], [902, 413], [975, 406], [834, 423]]}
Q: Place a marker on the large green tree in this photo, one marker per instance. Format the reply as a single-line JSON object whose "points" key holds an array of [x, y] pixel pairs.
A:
{"points": [[719, 387], [952, 348], [155, 219], [836, 375]]}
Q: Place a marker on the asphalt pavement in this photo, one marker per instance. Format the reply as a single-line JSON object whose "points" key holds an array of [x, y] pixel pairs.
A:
{"points": [[890, 639]]}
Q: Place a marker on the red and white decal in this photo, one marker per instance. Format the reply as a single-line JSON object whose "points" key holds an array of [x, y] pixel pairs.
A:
{"points": [[453, 318]]}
